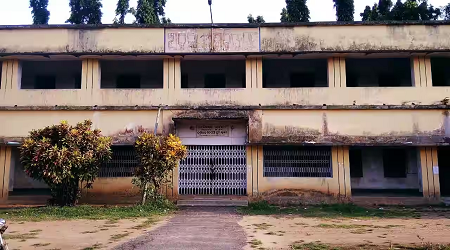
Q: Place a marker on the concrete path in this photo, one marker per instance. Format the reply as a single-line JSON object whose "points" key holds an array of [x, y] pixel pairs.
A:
{"points": [[194, 229]]}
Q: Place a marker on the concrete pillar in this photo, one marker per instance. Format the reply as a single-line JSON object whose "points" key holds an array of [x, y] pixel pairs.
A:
{"points": [[91, 82], [430, 172], [11, 75], [254, 169], [421, 72], [337, 75], [172, 79], [5, 168], [253, 73], [341, 171]]}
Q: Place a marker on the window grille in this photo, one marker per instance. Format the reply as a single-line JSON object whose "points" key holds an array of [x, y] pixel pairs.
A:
{"points": [[122, 164], [287, 161]]}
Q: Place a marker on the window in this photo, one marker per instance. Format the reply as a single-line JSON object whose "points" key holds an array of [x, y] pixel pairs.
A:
{"points": [[132, 74], [356, 165], [51, 75], [440, 71], [213, 74], [378, 72], [291, 161], [215, 81], [129, 81], [295, 73], [122, 164], [394, 163]]}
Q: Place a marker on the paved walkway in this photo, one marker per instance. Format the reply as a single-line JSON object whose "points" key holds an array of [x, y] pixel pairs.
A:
{"points": [[194, 228]]}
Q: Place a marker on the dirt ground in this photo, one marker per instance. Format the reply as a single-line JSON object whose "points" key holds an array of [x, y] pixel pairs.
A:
{"points": [[76, 234], [270, 232]]}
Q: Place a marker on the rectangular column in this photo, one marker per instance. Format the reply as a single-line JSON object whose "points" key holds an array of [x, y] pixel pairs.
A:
{"points": [[337, 75], [341, 171], [254, 72], [430, 172], [421, 71], [5, 168]]}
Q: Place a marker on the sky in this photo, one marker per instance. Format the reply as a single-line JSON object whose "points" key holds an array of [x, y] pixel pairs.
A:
{"points": [[16, 12]]}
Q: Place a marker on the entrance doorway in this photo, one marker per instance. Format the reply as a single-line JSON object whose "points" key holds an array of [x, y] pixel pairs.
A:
{"points": [[444, 170], [213, 170]]}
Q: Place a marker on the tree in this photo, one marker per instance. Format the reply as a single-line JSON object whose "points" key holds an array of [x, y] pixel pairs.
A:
{"points": [[446, 10], [150, 11], [284, 16], [408, 10], [85, 12], [165, 20], [158, 155], [259, 19], [66, 158], [295, 11], [345, 10], [39, 11], [123, 8]]}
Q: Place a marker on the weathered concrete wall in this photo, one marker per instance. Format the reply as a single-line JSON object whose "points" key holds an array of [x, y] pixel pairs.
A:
{"points": [[347, 127], [103, 41], [338, 185], [373, 172], [355, 38], [223, 40]]}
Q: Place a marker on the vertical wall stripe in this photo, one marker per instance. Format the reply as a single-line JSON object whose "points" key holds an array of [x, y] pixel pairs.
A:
{"points": [[331, 73], [428, 73]]}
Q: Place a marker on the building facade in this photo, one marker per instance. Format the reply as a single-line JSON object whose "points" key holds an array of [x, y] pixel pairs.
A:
{"points": [[344, 110]]}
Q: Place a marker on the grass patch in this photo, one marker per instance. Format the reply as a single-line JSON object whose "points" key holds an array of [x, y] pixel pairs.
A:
{"points": [[117, 237], [40, 244], [329, 211], [262, 226], [89, 232], [96, 246], [36, 231], [145, 224], [111, 213], [311, 246], [21, 237], [255, 243]]}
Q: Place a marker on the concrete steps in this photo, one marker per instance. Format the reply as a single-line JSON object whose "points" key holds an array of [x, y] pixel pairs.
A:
{"points": [[212, 202]]}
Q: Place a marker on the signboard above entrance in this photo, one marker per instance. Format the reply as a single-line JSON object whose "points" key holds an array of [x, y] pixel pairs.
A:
{"points": [[213, 130]]}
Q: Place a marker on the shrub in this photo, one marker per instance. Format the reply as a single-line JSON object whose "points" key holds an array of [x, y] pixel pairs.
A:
{"points": [[66, 158], [158, 155]]}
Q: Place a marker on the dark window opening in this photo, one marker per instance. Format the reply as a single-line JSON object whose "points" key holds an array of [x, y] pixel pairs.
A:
{"points": [[215, 81], [129, 81], [356, 163], [1, 65], [132, 74], [213, 74], [123, 162], [51, 75], [291, 161], [295, 73], [378, 72], [394, 163], [440, 71], [45, 82]]}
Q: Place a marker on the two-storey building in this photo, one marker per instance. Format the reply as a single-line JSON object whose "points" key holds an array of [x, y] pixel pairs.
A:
{"points": [[343, 109]]}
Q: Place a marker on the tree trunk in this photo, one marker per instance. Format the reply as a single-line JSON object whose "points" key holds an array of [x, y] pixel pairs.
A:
{"points": [[144, 193]]}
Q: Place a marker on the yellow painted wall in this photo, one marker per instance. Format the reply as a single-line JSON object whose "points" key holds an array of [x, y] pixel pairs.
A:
{"points": [[127, 40], [355, 38]]}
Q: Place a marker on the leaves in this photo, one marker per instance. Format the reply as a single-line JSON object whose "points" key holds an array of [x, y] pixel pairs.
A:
{"points": [[39, 11], [259, 19], [85, 12], [158, 155], [401, 11], [123, 8], [63, 156], [295, 11], [345, 9]]}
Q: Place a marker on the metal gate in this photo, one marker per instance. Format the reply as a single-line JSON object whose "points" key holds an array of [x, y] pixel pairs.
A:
{"points": [[213, 170]]}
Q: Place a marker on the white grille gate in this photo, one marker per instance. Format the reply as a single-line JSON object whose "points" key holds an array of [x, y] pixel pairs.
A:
{"points": [[213, 170]]}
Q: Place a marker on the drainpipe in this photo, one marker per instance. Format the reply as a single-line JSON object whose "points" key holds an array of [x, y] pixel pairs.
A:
{"points": [[157, 120]]}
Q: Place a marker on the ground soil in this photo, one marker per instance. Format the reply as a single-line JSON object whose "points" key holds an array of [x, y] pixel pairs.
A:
{"points": [[281, 232], [75, 234]]}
